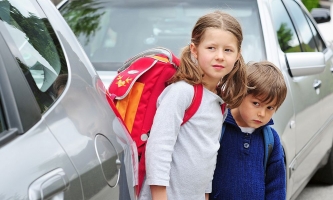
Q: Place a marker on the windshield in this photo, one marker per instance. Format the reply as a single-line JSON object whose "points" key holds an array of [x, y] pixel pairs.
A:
{"points": [[113, 31]]}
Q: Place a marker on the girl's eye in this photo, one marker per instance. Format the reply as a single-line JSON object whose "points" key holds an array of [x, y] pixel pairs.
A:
{"points": [[228, 50]]}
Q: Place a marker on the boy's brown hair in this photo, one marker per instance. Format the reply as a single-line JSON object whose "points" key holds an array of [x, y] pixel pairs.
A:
{"points": [[266, 81]]}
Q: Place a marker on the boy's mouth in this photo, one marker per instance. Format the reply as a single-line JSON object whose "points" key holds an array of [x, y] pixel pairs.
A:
{"points": [[257, 121]]}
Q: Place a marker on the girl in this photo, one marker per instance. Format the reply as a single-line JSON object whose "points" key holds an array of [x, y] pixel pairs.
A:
{"points": [[180, 160]]}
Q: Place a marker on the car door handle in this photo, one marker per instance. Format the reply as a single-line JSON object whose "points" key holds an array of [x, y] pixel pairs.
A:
{"points": [[48, 185], [317, 84]]}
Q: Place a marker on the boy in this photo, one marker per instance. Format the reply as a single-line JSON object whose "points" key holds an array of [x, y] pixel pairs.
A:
{"points": [[240, 171]]}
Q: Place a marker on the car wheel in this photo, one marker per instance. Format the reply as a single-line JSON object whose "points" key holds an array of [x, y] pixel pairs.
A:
{"points": [[325, 174]]}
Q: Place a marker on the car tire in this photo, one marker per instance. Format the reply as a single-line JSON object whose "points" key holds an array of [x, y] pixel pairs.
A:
{"points": [[325, 174]]}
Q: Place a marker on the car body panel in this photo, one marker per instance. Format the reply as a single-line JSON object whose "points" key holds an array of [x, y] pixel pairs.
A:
{"points": [[76, 148], [37, 140], [308, 126]]}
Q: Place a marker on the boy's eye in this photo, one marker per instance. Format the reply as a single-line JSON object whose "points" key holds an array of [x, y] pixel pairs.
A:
{"points": [[212, 48], [256, 103], [270, 108]]}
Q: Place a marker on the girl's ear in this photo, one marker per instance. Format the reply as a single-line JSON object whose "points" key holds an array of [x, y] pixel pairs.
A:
{"points": [[239, 54], [194, 50]]}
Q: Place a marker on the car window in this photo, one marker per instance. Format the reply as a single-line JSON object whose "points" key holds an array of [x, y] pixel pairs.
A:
{"points": [[304, 30], [35, 46], [318, 40], [287, 37], [113, 31]]}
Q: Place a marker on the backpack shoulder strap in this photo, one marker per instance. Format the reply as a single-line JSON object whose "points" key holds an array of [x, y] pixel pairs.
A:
{"points": [[223, 108], [269, 143], [189, 112], [196, 101]]}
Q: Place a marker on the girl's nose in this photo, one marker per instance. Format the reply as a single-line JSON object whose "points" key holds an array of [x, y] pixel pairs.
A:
{"points": [[220, 55]]}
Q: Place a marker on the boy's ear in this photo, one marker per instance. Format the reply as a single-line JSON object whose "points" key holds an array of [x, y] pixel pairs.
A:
{"points": [[194, 50]]}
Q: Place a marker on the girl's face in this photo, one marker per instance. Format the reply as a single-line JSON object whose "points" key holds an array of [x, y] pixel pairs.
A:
{"points": [[253, 112], [216, 53]]}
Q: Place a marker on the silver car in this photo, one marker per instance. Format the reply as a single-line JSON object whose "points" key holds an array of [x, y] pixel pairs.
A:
{"points": [[59, 137], [281, 31]]}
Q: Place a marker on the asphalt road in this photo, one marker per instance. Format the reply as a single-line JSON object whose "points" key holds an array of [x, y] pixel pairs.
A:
{"points": [[316, 192]]}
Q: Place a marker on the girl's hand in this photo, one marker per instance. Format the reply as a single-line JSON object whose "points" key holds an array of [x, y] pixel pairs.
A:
{"points": [[158, 192], [206, 196]]}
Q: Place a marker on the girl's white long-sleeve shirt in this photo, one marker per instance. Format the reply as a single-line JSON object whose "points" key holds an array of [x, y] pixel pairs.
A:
{"points": [[183, 157]]}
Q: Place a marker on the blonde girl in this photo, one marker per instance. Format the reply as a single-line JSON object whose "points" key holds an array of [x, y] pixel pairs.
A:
{"points": [[180, 159]]}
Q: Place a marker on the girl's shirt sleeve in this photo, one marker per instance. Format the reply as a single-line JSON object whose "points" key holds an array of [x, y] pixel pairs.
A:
{"points": [[275, 182], [171, 106]]}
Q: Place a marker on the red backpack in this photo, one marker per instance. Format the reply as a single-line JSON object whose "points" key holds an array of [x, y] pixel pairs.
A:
{"points": [[134, 93]]}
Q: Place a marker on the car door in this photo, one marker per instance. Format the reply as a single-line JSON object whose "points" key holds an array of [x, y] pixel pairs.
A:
{"points": [[83, 122], [312, 144], [297, 33], [33, 163]]}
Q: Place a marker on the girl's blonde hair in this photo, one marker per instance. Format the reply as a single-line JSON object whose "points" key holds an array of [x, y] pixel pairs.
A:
{"points": [[232, 87]]}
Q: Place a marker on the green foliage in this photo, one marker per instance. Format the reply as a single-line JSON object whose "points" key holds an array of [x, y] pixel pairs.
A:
{"points": [[284, 37], [309, 4], [83, 17]]}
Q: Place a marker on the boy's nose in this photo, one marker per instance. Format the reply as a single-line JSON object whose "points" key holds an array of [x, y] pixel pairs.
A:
{"points": [[261, 113]]}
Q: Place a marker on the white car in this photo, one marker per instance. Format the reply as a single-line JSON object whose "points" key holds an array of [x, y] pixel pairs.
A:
{"points": [[281, 31]]}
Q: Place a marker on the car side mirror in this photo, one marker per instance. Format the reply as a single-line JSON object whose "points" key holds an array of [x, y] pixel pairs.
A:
{"points": [[321, 15], [305, 63]]}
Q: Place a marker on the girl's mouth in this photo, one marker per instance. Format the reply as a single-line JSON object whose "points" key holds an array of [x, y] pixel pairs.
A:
{"points": [[218, 66]]}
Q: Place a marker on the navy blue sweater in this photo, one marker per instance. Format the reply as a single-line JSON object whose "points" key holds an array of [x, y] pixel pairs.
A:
{"points": [[240, 172]]}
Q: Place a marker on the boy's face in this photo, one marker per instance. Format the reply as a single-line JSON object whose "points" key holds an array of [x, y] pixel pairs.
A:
{"points": [[253, 112]]}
